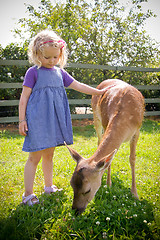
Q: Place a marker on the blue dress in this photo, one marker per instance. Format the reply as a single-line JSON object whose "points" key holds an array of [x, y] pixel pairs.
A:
{"points": [[48, 113]]}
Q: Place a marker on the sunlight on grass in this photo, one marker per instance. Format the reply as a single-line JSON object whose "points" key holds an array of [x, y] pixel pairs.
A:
{"points": [[112, 214]]}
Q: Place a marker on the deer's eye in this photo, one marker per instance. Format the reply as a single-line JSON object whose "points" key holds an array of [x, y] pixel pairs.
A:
{"points": [[87, 192]]}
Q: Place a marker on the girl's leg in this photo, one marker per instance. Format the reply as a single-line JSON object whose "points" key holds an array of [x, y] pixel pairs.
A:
{"points": [[47, 166], [30, 170]]}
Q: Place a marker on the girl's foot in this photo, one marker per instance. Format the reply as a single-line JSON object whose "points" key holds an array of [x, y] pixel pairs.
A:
{"points": [[30, 199], [51, 189]]}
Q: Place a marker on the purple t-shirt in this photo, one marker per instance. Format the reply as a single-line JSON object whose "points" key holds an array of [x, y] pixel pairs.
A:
{"points": [[31, 77]]}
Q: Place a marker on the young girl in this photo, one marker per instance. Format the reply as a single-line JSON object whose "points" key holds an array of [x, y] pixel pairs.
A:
{"points": [[44, 115]]}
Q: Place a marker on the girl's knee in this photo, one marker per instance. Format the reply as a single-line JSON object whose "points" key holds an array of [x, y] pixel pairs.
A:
{"points": [[34, 157]]}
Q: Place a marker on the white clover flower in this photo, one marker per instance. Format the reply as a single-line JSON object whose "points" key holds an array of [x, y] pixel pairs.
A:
{"points": [[104, 235], [107, 219], [145, 221], [134, 215], [98, 223], [149, 224], [114, 197], [107, 192], [105, 186]]}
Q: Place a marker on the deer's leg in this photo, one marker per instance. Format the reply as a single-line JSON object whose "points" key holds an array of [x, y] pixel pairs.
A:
{"points": [[98, 127], [109, 182], [132, 159]]}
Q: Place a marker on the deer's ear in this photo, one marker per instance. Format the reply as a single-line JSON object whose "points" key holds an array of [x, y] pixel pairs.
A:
{"points": [[76, 156], [106, 161]]}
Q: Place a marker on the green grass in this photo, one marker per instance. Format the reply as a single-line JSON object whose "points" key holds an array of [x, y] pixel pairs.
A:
{"points": [[112, 214]]}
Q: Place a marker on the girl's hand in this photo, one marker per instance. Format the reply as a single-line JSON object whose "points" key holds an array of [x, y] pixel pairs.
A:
{"points": [[84, 88], [23, 128], [102, 91], [26, 92]]}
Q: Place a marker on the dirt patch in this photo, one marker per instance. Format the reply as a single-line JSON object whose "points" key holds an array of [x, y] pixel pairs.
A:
{"points": [[83, 122], [13, 127], [9, 127], [155, 118]]}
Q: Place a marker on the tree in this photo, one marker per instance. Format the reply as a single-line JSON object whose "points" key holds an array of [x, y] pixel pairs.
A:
{"points": [[97, 32], [11, 74], [13, 52]]}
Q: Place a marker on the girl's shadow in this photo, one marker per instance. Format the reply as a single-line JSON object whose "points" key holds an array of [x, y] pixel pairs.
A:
{"points": [[28, 222]]}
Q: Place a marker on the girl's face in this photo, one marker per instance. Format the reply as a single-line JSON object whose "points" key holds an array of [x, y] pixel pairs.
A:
{"points": [[49, 57]]}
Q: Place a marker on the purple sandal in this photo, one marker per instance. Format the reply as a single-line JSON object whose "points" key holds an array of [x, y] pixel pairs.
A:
{"points": [[51, 189]]}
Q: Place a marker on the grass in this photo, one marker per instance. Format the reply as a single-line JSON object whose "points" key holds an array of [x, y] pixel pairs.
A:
{"points": [[112, 214]]}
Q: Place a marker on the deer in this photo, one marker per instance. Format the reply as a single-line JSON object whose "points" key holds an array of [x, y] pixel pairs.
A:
{"points": [[118, 116]]}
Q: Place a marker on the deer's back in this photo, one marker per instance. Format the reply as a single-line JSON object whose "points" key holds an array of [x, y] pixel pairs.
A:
{"points": [[122, 101]]}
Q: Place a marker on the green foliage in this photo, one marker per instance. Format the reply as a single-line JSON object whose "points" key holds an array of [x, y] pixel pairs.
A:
{"points": [[11, 74], [98, 32], [112, 214]]}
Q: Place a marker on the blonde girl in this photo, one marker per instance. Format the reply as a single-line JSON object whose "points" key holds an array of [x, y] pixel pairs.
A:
{"points": [[44, 115]]}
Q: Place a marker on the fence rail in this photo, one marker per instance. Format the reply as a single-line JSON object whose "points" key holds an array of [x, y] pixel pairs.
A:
{"points": [[85, 66], [77, 102]]}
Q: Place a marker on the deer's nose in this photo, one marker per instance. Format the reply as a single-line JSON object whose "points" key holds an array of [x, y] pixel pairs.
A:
{"points": [[78, 211]]}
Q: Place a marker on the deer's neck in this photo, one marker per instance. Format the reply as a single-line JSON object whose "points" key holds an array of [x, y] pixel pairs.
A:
{"points": [[112, 139]]}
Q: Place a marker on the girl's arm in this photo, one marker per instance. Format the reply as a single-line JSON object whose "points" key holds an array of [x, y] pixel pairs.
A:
{"points": [[26, 92], [81, 87]]}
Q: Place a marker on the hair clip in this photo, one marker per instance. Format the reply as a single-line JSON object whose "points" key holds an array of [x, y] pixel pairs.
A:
{"points": [[46, 42], [60, 41]]}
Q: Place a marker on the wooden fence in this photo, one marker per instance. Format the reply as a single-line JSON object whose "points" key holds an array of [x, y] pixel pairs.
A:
{"points": [[77, 102]]}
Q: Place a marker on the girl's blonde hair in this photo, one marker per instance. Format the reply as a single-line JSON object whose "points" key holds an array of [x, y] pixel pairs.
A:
{"points": [[47, 38]]}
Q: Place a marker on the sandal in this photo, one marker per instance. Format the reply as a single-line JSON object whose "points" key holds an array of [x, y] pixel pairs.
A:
{"points": [[51, 189], [29, 200]]}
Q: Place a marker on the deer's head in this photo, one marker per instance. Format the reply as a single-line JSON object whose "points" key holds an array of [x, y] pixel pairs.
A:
{"points": [[86, 178]]}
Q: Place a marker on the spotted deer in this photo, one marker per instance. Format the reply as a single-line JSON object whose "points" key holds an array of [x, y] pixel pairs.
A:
{"points": [[119, 113]]}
